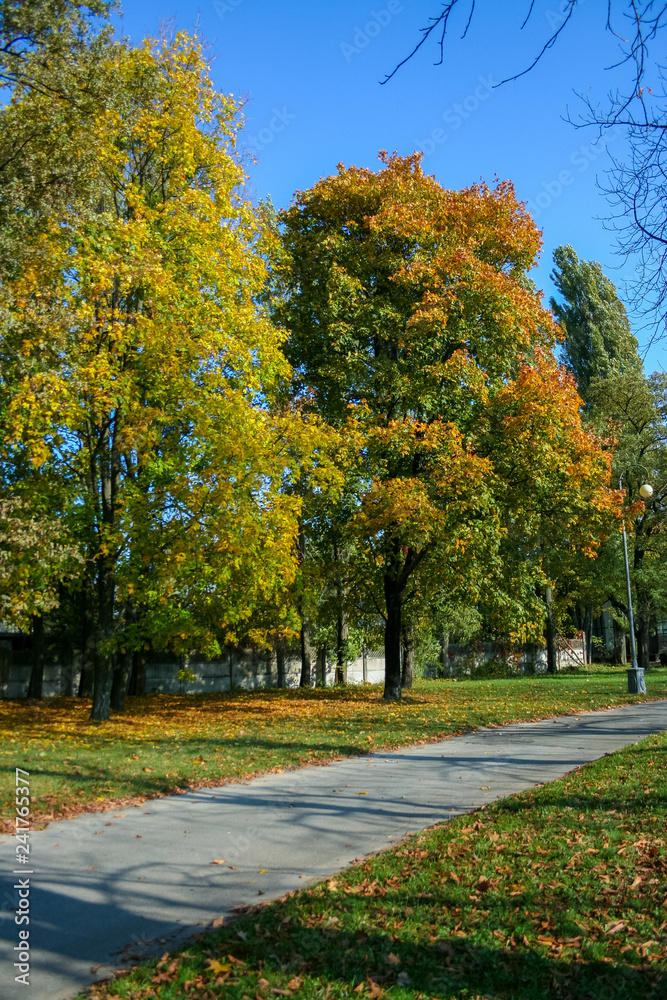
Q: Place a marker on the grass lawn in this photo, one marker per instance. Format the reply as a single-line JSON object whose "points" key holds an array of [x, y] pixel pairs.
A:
{"points": [[553, 894], [161, 743]]}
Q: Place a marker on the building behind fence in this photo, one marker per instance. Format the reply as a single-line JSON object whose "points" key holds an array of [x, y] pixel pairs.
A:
{"points": [[251, 669]]}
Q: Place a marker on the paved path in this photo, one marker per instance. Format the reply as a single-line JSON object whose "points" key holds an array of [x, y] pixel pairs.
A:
{"points": [[111, 888]]}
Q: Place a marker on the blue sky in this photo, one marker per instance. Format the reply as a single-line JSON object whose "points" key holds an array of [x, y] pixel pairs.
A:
{"points": [[309, 73]]}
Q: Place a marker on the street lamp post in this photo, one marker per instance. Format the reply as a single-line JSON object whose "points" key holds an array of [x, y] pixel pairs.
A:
{"points": [[636, 679]]}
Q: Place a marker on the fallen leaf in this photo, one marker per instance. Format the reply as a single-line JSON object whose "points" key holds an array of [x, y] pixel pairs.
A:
{"points": [[361, 793], [617, 926], [218, 861], [392, 959], [294, 983], [217, 967]]}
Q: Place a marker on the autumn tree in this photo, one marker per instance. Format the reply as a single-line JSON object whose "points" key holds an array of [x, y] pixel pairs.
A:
{"points": [[557, 502], [144, 369], [409, 315], [34, 33]]}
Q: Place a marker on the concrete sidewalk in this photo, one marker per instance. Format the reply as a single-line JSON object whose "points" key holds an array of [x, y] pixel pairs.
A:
{"points": [[112, 888]]}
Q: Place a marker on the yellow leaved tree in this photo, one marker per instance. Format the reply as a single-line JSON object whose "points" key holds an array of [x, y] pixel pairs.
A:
{"points": [[143, 368]]}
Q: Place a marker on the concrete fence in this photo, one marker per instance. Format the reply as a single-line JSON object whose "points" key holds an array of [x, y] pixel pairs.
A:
{"points": [[253, 669], [482, 656]]}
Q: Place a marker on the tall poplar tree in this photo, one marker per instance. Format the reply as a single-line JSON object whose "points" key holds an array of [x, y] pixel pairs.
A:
{"points": [[622, 402], [598, 339]]}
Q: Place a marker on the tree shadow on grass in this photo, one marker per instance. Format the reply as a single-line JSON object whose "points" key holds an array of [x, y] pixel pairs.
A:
{"points": [[290, 939]]}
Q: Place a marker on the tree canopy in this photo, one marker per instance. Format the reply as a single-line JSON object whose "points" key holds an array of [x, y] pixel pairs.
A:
{"points": [[409, 317], [136, 345]]}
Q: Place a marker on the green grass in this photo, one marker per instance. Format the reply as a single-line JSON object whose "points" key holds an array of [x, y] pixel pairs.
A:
{"points": [[165, 742], [553, 894]]}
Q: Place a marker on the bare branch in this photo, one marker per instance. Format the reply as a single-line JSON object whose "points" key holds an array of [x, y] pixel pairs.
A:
{"points": [[442, 19]]}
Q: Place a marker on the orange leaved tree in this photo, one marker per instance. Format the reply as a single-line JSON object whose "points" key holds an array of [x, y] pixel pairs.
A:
{"points": [[409, 312]]}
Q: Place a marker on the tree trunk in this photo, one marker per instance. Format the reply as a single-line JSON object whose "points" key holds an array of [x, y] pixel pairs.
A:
{"points": [[280, 664], [550, 631], [341, 639], [588, 633], [322, 666], [392, 639], [643, 634], [36, 682], [71, 671], [104, 661], [137, 685], [86, 643], [619, 645], [88, 658], [120, 681], [444, 654], [407, 676], [341, 623], [306, 656], [102, 682], [106, 475]]}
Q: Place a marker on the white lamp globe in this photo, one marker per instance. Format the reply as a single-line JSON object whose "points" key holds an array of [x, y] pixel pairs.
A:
{"points": [[646, 491]]}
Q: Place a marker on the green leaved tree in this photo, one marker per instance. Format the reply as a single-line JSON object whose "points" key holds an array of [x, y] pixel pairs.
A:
{"points": [[598, 340]]}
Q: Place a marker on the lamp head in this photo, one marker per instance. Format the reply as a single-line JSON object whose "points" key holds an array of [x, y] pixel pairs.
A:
{"points": [[646, 491]]}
